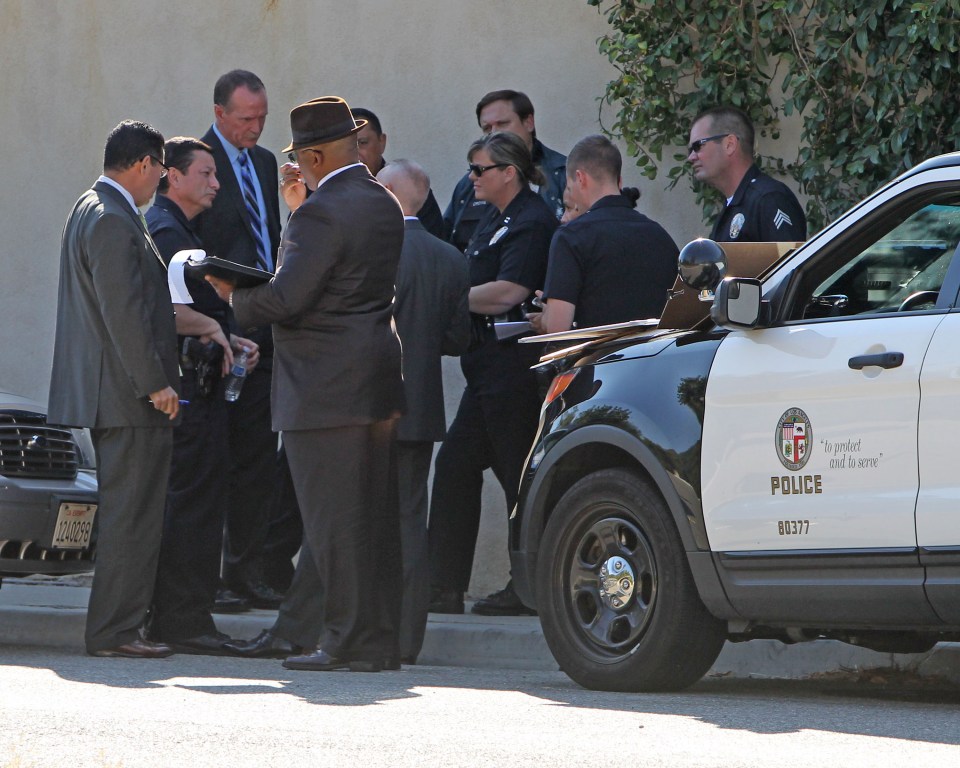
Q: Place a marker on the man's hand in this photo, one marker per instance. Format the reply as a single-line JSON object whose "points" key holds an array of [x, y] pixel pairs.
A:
{"points": [[167, 401], [253, 350], [224, 288], [219, 337], [536, 321], [292, 188]]}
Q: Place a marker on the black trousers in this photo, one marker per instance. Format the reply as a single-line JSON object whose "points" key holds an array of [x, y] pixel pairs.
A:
{"points": [[189, 569], [300, 619], [252, 480], [489, 431], [133, 464], [346, 484]]}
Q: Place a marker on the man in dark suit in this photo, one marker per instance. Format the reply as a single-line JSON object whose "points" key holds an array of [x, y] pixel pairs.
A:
{"points": [[433, 320], [243, 225], [337, 384], [114, 367]]}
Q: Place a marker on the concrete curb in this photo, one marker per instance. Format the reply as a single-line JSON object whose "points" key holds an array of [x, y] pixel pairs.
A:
{"points": [[37, 613]]}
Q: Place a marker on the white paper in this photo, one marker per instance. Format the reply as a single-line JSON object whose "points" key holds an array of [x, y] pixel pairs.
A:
{"points": [[175, 279]]}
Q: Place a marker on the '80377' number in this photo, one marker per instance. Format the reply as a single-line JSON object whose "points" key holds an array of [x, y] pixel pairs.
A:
{"points": [[793, 527]]}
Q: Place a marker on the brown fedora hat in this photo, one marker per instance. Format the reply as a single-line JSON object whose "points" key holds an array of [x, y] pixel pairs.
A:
{"points": [[319, 121]]}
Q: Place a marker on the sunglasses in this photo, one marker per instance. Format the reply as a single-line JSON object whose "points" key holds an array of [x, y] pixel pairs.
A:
{"points": [[697, 145], [479, 170]]}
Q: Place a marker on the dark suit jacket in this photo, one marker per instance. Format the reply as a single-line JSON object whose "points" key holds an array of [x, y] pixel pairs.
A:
{"points": [[116, 341], [336, 353], [225, 228], [433, 320]]}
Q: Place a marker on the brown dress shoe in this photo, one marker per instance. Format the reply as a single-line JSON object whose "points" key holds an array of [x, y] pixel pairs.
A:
{"points": [[137, 649]]}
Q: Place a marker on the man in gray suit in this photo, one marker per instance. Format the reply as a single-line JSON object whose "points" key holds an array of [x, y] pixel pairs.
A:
{"points": [[114, 367], [433, 320], [337, 388]]}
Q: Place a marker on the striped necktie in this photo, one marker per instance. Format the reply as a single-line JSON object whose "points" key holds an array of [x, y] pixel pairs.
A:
{"points": [[250, 199]]}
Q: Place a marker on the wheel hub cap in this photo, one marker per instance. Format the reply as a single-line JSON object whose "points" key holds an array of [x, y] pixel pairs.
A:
{"points": [[617, 583]]}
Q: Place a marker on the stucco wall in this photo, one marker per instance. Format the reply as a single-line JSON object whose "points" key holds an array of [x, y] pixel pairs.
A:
{"points": [[74, 68]]}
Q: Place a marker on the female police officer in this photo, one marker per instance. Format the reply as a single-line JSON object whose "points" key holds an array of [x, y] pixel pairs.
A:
{"points": [[497, 418]]}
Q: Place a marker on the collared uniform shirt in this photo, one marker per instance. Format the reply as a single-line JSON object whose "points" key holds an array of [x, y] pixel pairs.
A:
{"points": [[762, 210], [613, 263], [172, 232], [511, 246]]}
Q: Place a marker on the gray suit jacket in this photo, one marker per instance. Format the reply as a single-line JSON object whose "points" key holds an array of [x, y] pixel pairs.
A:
{"points": [[116, 341], [433, 320], [336, 352]]}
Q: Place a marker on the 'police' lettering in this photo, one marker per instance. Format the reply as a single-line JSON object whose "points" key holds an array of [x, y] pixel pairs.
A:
{"points": [[790, 485]]}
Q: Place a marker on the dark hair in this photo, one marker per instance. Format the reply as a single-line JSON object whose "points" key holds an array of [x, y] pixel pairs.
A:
{"points": [[129, 143], [372, 120], [179, 152], [229, 82], [632, 194], [520, 101], [597, 156], [509, 149], [731, 120]]}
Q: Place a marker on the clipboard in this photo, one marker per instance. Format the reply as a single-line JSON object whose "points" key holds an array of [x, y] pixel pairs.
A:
{"points": [[595, 332], [240, 275]]}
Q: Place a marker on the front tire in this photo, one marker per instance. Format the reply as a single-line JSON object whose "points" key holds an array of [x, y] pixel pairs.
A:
{"points": [[617, 601]]}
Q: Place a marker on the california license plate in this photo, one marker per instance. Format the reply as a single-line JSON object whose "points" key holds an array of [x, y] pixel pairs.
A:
{"points": [[74, 525]]}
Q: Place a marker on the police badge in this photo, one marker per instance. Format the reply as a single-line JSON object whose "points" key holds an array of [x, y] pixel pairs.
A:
{"points": [[736, 225]]}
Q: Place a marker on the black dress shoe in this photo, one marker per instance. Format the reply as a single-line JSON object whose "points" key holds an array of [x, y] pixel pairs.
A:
{"points": [[266, 645], [393, 663], [446, 601], [321, 661], [506, 602], [260, 595], [203, 645], [136, 649], [228, 601]]}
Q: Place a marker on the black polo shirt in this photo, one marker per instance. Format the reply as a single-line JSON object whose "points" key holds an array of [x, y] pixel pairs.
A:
{"points": [[172, 232], [762, 210], [613, 263]]}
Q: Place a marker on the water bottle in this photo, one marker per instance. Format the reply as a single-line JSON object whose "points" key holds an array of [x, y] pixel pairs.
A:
{"points": [[237, 374]]}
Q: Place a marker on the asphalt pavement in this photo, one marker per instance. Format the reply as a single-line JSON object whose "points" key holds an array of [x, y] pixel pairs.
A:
{"points": [[49, 612]]}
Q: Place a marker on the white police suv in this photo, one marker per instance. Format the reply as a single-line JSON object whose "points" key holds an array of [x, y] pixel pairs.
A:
{"points": [[784, 469]]}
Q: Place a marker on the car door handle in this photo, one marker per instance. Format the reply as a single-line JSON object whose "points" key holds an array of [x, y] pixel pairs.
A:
{"points": [[882, 360]]}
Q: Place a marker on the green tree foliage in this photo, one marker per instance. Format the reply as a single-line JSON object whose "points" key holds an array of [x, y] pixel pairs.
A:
{"points": [[874, 82]]}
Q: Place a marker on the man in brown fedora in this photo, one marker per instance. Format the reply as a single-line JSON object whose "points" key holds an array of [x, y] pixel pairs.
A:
{"points": [[337, 388]]}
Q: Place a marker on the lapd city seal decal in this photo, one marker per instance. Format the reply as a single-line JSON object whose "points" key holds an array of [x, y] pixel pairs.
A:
{"points": [[793, 438], [736, 225]]}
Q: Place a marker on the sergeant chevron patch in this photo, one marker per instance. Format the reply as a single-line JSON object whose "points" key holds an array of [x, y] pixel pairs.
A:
{"points": [[781, 218]]}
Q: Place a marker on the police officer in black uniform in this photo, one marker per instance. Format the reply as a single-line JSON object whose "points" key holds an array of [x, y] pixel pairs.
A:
{"points": [[511, 111], [759, 208], [189, 567], [611, 264], [497, 418]]}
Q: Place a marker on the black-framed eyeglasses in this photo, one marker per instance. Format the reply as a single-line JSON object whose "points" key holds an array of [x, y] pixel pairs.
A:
{"points": [[163, 166], [696, 146], [479, 170]]}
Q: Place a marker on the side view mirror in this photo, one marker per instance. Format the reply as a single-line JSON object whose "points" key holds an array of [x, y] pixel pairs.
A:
{"points": [[701, 265], [738, 303]]}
